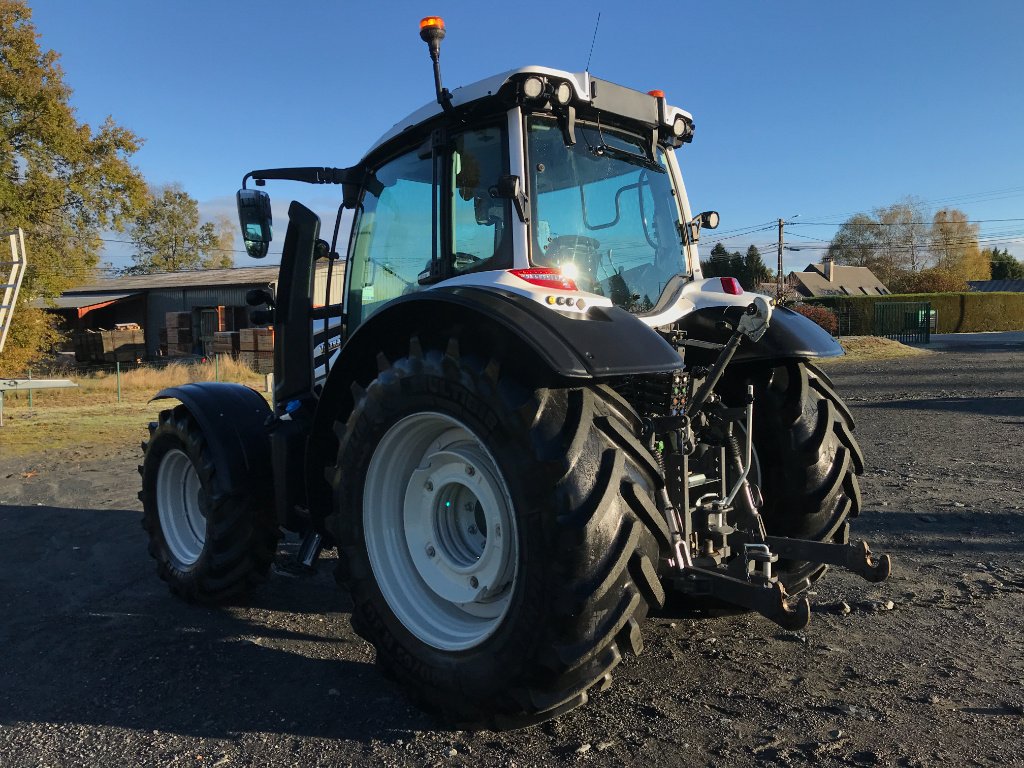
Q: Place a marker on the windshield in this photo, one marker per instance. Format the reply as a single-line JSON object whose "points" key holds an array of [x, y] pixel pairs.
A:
{"points": [[603, 212]]}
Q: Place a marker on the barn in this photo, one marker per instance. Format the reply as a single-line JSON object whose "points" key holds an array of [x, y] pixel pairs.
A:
{"points": [[214, 300]]}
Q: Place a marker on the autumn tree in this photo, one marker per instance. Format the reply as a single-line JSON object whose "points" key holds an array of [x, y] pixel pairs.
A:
{"points": [[168, 236], [61, 181], [954, 244]]}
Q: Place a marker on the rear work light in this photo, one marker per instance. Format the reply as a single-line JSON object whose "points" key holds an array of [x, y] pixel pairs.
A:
{"points": [[546, 278], [731, 286]]}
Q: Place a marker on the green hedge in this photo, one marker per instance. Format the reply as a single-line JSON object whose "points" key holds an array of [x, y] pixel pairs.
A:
{"points": [[955, 312]]}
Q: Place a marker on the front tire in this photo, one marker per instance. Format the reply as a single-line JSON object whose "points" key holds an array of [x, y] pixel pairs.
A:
{"points": [[562, 540], [209, 543]]}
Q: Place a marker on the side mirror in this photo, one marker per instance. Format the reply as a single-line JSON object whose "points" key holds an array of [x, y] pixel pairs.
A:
{"points": [[256, 219]]}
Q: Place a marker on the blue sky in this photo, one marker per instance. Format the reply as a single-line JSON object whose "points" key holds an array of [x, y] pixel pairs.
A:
{"points": [[820, 109]]}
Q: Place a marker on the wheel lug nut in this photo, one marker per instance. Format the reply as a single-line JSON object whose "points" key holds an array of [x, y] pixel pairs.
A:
{"points": [[429, 485], [470, 471], [473, 582], [431, 551], [471, 529]]}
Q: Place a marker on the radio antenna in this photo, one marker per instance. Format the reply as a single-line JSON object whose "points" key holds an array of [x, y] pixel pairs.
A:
{"points": [[593, 40]]}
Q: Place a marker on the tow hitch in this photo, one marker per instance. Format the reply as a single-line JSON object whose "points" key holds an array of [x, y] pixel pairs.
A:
{"points": [[720, 546], [748, 580]]}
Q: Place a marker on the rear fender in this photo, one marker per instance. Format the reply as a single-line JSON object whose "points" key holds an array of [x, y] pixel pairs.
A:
{"points": [[541, 344]]}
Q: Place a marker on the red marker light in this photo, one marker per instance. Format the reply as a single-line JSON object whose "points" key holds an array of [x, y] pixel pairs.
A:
{"points": [[545, 277], [731, 286], [656, 94]]}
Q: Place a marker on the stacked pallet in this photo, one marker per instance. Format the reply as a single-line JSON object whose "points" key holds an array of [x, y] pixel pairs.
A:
{"points": [[109, 346], [179, 334], [225, 343], [256, 348]]}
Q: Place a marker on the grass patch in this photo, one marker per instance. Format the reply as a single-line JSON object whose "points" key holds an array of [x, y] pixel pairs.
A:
{"points": [[872, 348], [89, 415]]}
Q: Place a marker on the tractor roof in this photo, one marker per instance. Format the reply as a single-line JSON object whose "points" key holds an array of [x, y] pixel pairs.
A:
{"points": [[585, 86]]}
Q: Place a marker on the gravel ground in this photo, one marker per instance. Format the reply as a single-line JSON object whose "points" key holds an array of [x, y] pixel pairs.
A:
{"points": [[100, 666]]}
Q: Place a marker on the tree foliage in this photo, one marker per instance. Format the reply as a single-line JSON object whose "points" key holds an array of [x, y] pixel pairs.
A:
{"points": [[890, 241], [1003, 265], [168, 237], [749, 269], [908, 253], [62, 181], [954, 242]]}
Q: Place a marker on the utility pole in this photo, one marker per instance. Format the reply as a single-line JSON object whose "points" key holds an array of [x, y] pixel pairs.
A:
{"points": [[778, 273]]}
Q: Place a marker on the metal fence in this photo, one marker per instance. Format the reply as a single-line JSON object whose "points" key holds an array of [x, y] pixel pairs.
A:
{"points": [[909, 322]]}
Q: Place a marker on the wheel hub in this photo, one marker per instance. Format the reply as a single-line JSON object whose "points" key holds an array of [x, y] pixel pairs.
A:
{"points": [[179, 507], [450, 505], [440, 531]]}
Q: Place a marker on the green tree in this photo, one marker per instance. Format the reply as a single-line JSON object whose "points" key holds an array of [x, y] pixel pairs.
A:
{"points": [[168, 237], [1003, 265], [61, 181], [755, 271], [722, 263]]}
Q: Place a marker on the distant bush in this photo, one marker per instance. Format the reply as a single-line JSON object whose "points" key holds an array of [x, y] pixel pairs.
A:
{"points": [[823, 316]]}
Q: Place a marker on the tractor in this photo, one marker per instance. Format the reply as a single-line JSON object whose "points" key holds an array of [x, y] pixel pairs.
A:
{"points": [[528, 420]]}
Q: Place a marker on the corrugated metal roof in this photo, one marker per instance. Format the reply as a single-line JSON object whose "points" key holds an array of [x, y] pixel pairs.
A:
{"points": [[201, 277], [81, 300], [992, 286]]}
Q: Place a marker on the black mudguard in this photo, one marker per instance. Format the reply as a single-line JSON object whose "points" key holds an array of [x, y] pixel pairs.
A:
{"points": [[604, 343], [790, 335], [233, 419], [545, 345]]}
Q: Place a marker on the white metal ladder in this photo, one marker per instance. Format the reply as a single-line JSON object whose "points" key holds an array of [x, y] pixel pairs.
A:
{"points": [[13, 272]]}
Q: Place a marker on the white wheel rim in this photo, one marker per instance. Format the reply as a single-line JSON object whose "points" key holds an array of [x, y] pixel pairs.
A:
{"points": [[181, 515], [440, 531]]}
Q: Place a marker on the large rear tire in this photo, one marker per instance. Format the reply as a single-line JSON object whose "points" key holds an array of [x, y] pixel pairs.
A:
{"points": [[807, 459], [500, 542], [209, 544]]}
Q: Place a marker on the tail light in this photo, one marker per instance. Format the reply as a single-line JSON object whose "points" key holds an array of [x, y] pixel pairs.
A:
{"points": [[546, 277], [731, 286]]}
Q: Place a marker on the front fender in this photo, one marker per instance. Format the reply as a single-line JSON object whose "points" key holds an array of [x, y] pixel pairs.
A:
{"points": [[790, 335], [233, 420]]}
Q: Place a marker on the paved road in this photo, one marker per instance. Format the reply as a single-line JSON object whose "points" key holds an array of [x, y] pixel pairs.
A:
{"points": [[976, 342]]}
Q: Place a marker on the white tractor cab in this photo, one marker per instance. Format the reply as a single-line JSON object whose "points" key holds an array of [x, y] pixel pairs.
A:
{"points": [[530, 416]]}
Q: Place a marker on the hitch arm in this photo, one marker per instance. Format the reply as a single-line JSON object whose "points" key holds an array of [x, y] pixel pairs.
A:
{"points": [[768, 599], [854, 557]]}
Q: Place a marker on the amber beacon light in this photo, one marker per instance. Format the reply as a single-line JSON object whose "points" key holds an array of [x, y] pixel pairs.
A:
{"points": [[431, 29]]}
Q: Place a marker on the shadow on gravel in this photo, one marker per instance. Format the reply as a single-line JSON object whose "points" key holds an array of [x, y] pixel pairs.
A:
{"points": [[982, 406], [962, 531], [91, 636]]}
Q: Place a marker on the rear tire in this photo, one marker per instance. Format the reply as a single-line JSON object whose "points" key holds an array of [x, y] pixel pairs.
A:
{"points": [[807, 457], [573, 576], [209, 544]]}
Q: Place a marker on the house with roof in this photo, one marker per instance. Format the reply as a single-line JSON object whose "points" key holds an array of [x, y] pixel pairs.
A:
{"points": [[830, 279]]}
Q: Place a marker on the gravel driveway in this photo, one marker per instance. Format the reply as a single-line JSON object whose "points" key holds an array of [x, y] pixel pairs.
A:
{"points": [[100, 666]]}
